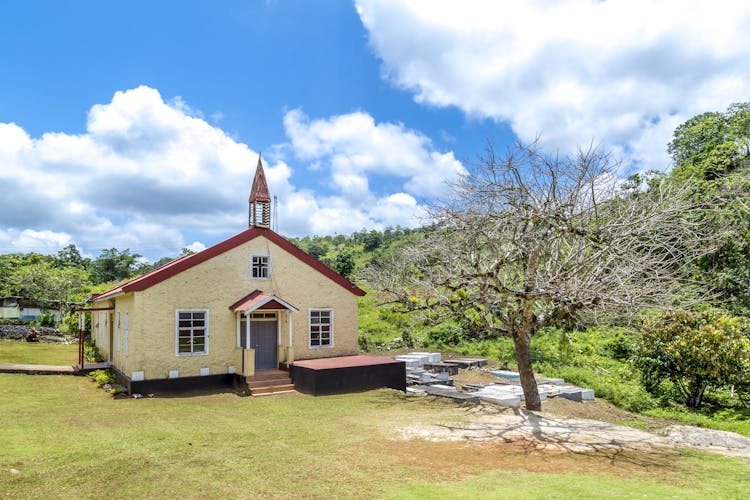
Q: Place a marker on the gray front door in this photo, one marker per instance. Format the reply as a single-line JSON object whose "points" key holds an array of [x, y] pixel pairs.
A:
{"points": [[263, 339]]}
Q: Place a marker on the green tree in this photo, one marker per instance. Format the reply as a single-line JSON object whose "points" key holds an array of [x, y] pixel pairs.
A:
{"points": [[711, 151], [114, 265], [70, 256], [344, 263], [695, 351], [46, 284], [317, 248]]}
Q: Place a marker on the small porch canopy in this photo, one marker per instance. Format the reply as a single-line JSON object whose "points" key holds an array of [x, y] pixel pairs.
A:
{"points": [[258, 300]]}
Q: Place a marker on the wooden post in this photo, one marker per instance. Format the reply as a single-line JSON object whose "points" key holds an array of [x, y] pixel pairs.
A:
{"points": [[81, 335]]}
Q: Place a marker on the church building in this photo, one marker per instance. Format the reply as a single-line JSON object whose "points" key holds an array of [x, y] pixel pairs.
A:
{"points": [[249, 305]]}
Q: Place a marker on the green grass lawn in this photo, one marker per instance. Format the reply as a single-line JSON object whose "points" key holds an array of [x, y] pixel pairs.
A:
{"points": [[36, 353], [64, 438]]}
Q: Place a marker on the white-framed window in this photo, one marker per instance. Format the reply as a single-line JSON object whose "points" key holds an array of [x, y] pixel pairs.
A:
{"points": [[260, 267], [191, 332], [117, 333], [125, 336], [321, 328]]}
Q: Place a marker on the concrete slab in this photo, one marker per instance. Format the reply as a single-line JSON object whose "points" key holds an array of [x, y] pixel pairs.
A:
{"points": [[468, 362], [511, 401], [577, 394], [474, 387], [423, 358], [507, 391], [451, 393], [449, 368], [444, 386], [547, 380], [432, 357], [506, 374], [411, 362], [37, 369]]}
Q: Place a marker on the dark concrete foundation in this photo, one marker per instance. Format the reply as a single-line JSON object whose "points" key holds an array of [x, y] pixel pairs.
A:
{"points": [[326, 380], [224, 382]]}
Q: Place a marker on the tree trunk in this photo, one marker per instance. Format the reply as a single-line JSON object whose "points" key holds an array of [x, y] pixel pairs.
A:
{"points": [[695, 399], [528, 382]]}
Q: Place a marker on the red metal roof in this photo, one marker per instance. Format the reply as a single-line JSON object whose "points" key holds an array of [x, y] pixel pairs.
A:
{"points": [[259, 191], [260, 300], [183, 263], [345, 362]]}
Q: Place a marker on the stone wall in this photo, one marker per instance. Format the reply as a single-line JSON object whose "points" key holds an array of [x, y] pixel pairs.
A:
{"points": [[44, 334]]}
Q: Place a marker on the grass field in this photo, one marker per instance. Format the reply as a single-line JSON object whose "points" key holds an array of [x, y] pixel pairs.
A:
{"points": [[36, 353], [61, 437]]}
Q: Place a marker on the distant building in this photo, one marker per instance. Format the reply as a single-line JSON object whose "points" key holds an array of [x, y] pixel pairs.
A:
{"points": [[28, 309]]}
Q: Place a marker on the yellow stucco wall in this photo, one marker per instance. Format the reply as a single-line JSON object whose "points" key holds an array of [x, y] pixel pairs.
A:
{"points": [[216, 284], [102, 321]]}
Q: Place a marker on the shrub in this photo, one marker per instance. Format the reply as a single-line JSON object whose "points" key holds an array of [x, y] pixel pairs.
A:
{"points": [[47, 319], [621, 346], [102, 377], [91, 352], [69, 324], [695, 352], [444, 335]]}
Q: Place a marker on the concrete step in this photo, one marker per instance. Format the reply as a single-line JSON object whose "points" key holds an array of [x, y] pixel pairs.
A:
{"points": [[267, 375], [253, 384], [274, 389]]}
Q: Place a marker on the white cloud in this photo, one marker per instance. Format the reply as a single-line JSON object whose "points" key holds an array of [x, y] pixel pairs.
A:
{"points": [[196, 246], [142, 174], [151, 175], [356, 147], [29, 240], [624, 72]]}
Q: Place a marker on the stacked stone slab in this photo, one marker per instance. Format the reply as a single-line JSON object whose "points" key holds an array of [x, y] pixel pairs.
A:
{"points": [[550, 386], [440, 367], [420, 376]]}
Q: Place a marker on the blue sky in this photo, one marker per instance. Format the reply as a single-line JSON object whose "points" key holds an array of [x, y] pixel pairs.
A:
{"points": [[138, 124]]}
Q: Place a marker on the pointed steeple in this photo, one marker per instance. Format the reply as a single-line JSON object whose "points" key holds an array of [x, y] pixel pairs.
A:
{"points": [[260, 200]]}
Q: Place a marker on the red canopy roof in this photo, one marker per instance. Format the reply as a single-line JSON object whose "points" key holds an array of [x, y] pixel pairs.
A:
{"points": [[258, 300]]}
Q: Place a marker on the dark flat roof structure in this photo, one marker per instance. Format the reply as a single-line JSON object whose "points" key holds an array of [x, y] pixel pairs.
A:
{"points": [[344, 362], [345, 374]]}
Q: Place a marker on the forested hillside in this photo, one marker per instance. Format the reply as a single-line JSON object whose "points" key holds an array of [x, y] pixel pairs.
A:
{"points": [[690, 350]]}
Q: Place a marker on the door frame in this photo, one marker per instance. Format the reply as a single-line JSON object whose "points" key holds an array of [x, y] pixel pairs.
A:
{"points": [[262, 317]]}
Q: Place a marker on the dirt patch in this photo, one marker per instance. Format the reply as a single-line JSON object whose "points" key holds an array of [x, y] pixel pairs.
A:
{"points": [[474, 376], [457, 460], [547, 432], [603, 411]]}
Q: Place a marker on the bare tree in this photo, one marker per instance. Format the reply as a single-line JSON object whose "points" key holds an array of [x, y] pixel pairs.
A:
{"points": [[528, 241]]}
